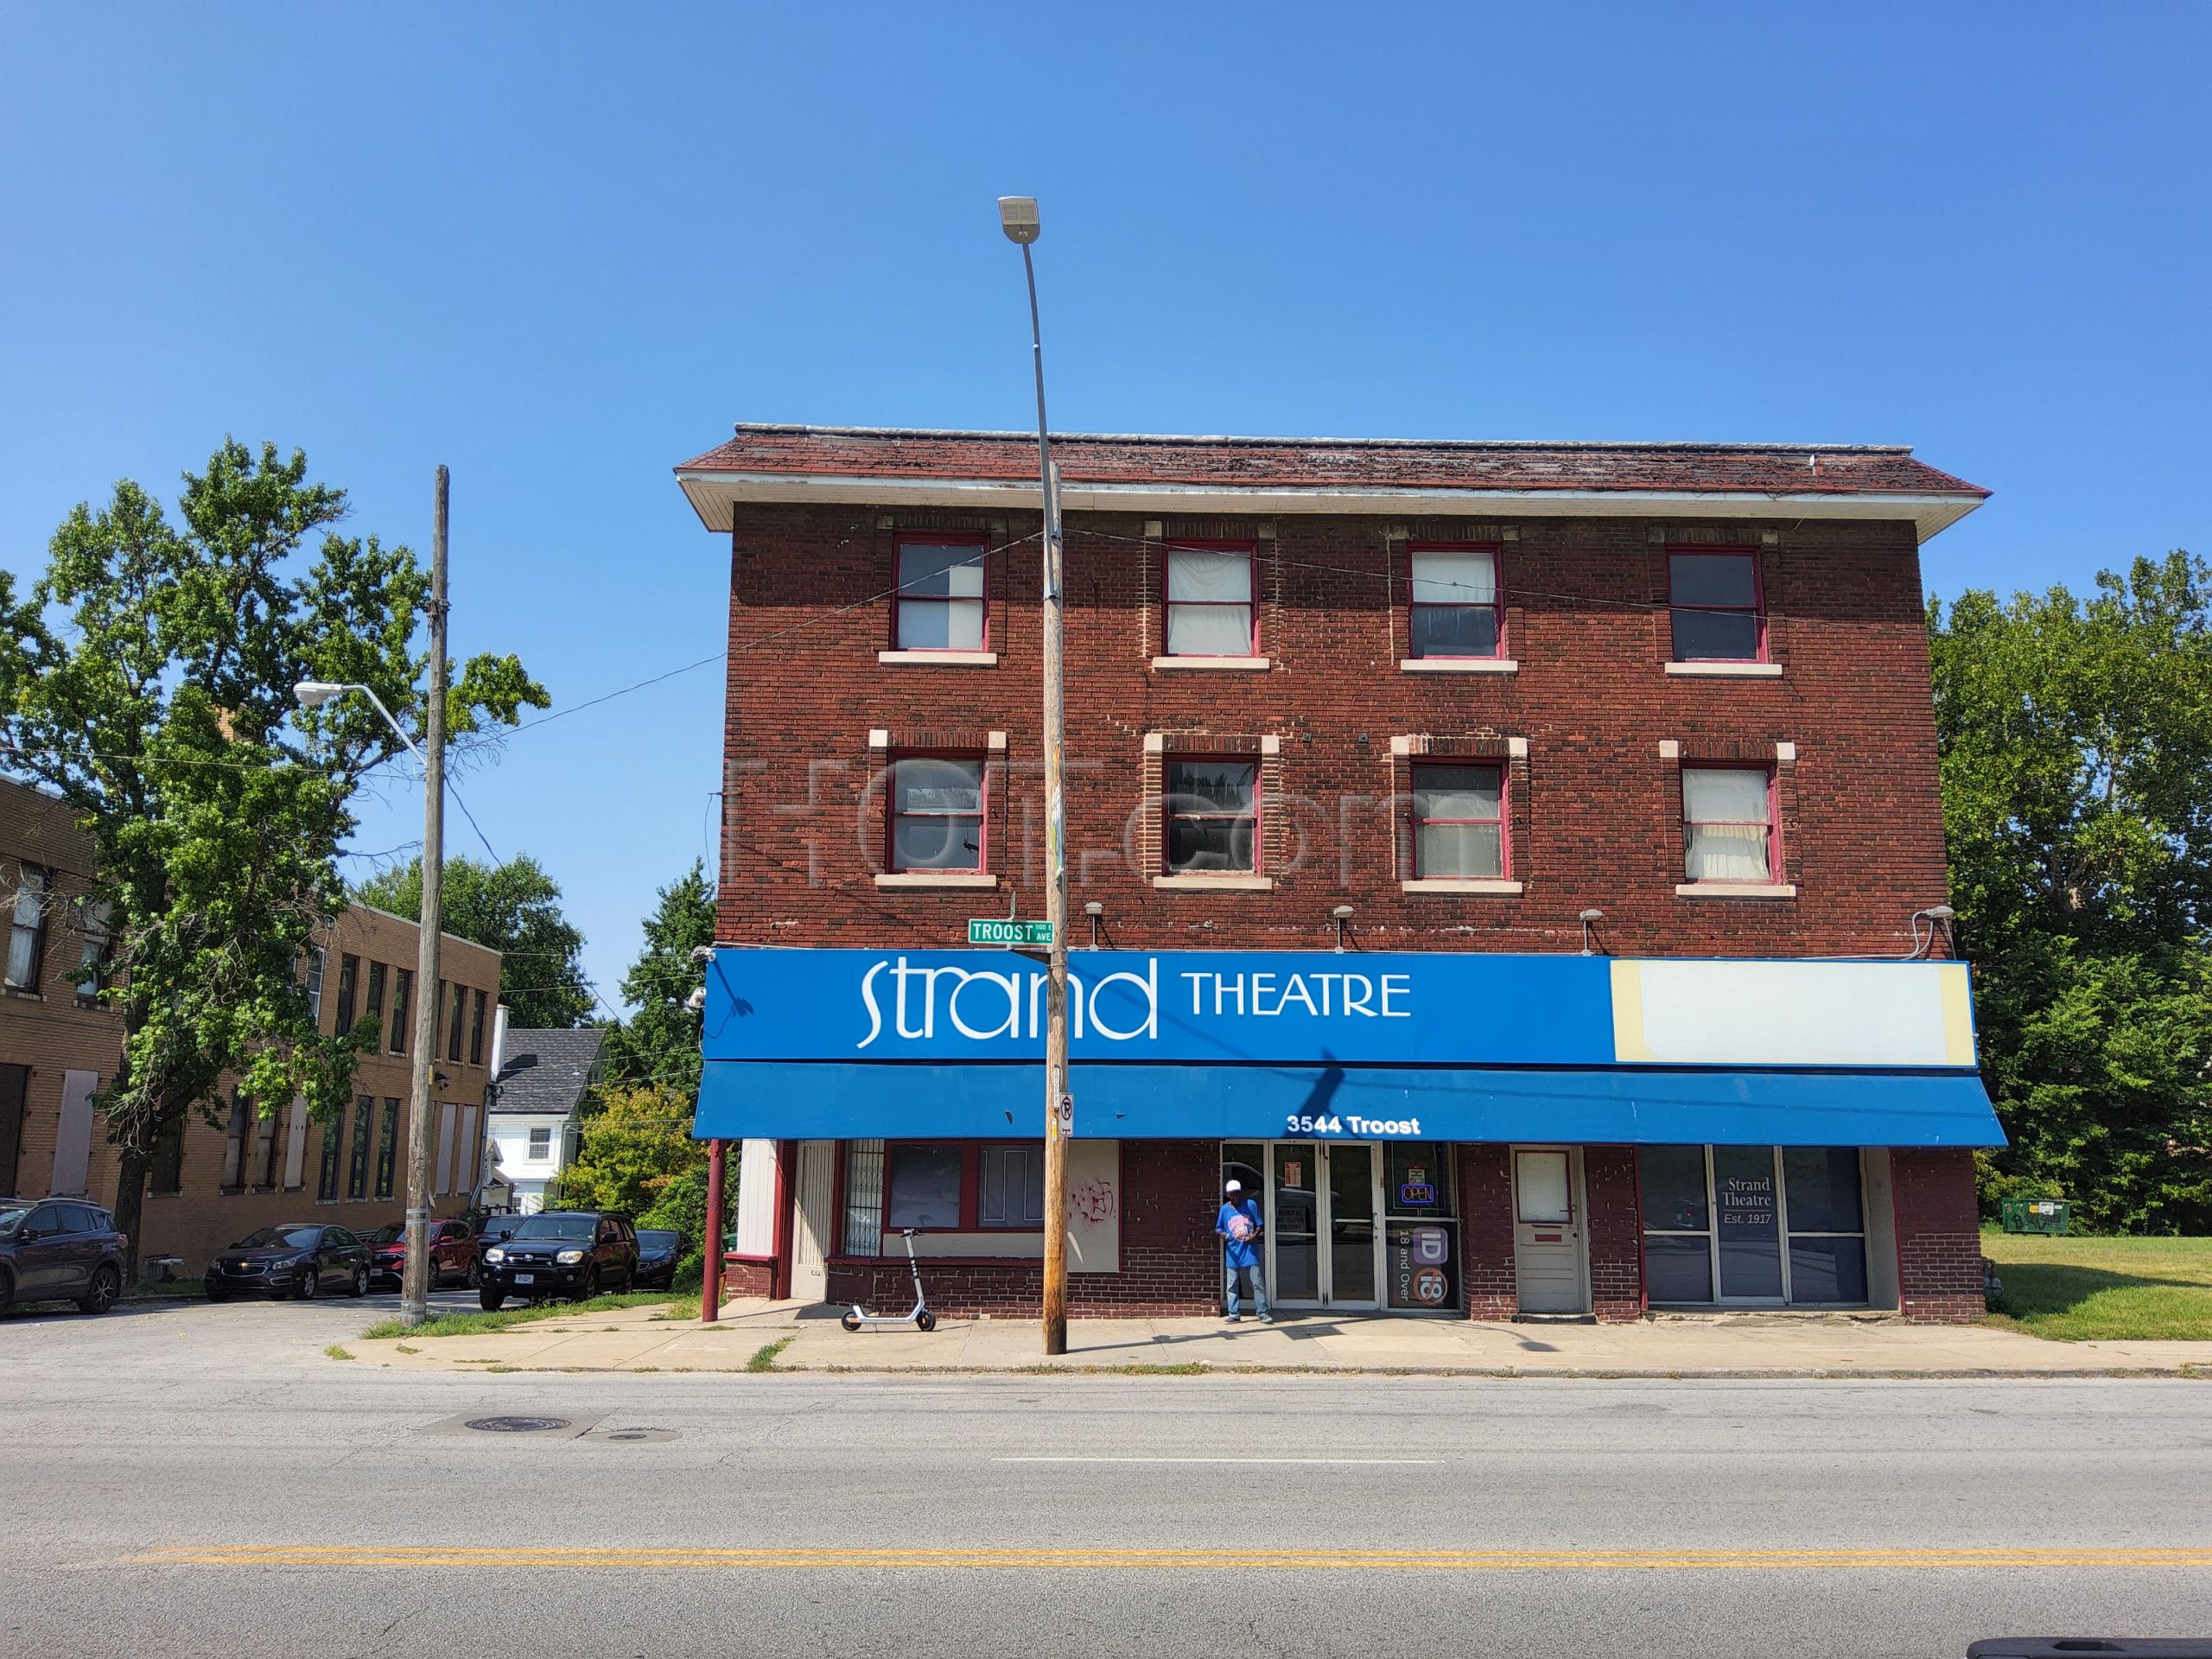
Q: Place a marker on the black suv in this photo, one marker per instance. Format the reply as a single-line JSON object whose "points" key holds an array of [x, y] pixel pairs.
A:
{"points": [[573, 1253], [60, 1250]]}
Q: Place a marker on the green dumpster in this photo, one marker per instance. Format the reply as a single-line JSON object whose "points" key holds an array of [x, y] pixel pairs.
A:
{"points": [[2035, 1215]]}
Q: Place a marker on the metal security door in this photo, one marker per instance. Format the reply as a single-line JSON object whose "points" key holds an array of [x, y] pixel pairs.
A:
{"points": [[812, 1221], [1548, 1231]]}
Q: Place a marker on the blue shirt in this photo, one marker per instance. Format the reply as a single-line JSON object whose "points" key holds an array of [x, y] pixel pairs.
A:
{"points": [[1240, 1252]]}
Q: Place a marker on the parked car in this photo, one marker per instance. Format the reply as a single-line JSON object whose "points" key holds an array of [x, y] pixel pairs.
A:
{"points": [[658, 1251], [453, 1253], [574, 1253], [490, 1229], [60, 1250], [301, 1259]]}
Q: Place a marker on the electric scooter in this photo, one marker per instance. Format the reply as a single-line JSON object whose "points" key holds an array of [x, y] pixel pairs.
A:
{"points": [[921, 1318]]}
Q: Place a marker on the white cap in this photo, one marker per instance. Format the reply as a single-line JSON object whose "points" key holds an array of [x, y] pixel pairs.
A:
{"points": [[1234, 1186]]}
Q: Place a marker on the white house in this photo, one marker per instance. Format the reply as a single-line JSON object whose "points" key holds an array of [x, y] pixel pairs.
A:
{"points": [[534, 1113]]}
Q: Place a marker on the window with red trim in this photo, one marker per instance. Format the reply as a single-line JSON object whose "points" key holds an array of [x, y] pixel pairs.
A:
{"points": [[964, 1186], [1458, 822], [1719, 606], [938, 602], [937, 813], [1455, 605], [1211, 589], [1728, 824], [1212, 815]]}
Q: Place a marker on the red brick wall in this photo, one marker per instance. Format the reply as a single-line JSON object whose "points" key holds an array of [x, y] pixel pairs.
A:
{"points": [[1596, 814], [1171, 1262], [1616, 1232], [747, 1278], [1939, 1235], [1486, 1233]]}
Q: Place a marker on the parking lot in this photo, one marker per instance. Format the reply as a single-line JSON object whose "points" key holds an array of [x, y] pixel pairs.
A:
{"points": [[198, 1335]]}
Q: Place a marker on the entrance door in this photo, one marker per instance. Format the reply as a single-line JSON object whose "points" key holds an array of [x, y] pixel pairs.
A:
{"points": [[1548, 1231], [1352, 1224], [812, 1221]]}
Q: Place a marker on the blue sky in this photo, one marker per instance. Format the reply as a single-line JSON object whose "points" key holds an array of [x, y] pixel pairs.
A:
{"points": [[560, 248]]}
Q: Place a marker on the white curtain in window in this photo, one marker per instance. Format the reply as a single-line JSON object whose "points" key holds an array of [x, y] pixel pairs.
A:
{"points": [[1210, 601], [23, 940], [941, 598], [1725, 837], [1454, 578]]}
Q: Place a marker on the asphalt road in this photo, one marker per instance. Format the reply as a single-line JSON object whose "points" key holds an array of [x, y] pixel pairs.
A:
{"points": [[202, 1480]]}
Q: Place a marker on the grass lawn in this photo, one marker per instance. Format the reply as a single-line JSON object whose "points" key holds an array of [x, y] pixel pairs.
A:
{"points": [[2073, 1289], [473, 1324]]}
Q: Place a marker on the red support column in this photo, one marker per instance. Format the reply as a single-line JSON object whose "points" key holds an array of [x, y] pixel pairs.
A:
{"points": [[710, 1293]]}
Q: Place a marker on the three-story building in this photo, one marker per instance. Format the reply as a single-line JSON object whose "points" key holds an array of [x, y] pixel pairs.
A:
{"points": [[1521, 864]]}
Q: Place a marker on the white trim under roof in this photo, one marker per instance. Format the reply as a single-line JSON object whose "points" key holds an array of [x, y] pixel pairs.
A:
{"points": [[714, 495]]}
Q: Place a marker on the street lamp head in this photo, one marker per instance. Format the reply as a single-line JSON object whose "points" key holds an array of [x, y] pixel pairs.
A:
{"points": [[1939, 914], [1018, 217], [1342, 913], [313, 694], [1591, 916]]}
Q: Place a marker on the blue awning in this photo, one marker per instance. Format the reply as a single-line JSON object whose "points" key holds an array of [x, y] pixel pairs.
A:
{"points": [[1615, 1105]]}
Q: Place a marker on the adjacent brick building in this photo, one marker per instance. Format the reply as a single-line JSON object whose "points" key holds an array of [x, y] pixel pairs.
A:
{"points": [[1409, 700], [220, 1179]]}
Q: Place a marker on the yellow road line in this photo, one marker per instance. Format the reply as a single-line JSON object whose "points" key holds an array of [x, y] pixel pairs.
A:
{"points": [[1077, 1558]]}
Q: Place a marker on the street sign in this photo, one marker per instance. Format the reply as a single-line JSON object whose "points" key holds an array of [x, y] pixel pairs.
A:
{"points": [[1064, 1116], [984, 930]]}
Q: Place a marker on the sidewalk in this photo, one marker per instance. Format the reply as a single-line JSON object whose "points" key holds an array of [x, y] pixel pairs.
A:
{"points": [[1752, 1345]]}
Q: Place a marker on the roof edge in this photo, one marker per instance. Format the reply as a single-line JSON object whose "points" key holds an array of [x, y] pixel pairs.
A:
{"points": [[783, 429]]}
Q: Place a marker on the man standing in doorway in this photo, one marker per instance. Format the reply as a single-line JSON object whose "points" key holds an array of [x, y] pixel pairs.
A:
{"points": [[1238, 1228]]}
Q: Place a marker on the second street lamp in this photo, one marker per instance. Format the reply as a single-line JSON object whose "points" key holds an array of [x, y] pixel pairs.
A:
{"points": [[1018, 217], [415, 1280]]}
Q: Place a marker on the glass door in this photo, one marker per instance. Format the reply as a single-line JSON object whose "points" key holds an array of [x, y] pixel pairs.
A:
{"points": [[1295, 1228], [1749, 1223], [1350, 1221]]}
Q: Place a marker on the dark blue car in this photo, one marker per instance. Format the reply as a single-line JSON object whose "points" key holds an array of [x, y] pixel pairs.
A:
{"points": [[60, 1250]]}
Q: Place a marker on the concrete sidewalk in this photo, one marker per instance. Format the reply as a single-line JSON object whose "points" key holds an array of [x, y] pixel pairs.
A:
{"points": [[1748, 1344]]}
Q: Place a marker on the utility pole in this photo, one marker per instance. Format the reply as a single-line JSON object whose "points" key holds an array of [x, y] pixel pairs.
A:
{"points": [[415, 1288], [1018, 216]]}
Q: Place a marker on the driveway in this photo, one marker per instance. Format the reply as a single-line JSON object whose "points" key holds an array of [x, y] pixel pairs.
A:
{"points": [[201, 1336]]}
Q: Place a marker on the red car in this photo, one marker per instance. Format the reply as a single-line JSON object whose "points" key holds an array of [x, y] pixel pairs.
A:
{"points": [[453, 1253]]}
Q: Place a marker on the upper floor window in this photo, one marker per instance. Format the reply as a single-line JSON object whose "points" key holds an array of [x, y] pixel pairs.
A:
{"points": [[311, 982], [938, 815], [1212, 815], [1455, 602], [374, 1009], [1213, 609], [540, 1142], [454, 1015], [1728, 824], [27, 929], [939, 603], [1459, 822], [349, 991], [1719, 609], [476, 1029], [92, 966], [403, 997]]}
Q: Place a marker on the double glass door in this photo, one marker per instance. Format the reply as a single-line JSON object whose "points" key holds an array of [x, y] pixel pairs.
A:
{"points": [[1354, 1224]]}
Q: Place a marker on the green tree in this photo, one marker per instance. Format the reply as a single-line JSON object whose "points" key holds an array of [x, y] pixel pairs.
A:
{"points": [[2077, 799], [513, 908], [660, 1042], [147, 680], [632, 1146]]}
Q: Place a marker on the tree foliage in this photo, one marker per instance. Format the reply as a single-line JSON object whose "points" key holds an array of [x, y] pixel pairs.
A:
{"points": [[660, 1042], [513, 908], [2077, 797], [147, 679], [636, 1143]]}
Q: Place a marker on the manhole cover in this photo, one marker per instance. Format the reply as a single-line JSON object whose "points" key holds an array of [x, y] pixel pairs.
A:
{"points": [[631, 1433], [518, 1425]]}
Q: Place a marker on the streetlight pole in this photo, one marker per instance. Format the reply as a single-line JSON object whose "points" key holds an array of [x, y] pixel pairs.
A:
{"points": [[1018, 217], [415, 1281]]}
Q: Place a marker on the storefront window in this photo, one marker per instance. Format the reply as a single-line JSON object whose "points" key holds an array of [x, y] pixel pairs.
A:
{"points": [[924, 1186], [1752, 1224], [1011, 1183], [1420, 1227]]}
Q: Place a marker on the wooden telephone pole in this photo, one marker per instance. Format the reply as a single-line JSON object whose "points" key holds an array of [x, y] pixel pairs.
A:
{"points": [[415, 1286]]}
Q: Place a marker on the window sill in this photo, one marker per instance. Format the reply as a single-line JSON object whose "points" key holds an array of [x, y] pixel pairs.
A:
{"points": [[1736, 890], [1212, 883], [1257, 664], [937, 658], [1725, 671], [937, 879], [1459, 665], [1497, 886]]}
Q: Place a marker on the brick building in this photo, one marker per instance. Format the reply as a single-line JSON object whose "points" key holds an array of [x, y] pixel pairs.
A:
{"points": [[217, 1181], [1513, 861]]}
